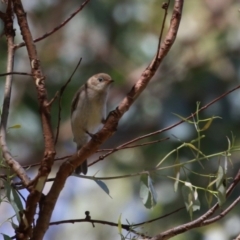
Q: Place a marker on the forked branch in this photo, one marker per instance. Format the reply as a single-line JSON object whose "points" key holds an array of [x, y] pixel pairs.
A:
{"points": [[109, 128]]}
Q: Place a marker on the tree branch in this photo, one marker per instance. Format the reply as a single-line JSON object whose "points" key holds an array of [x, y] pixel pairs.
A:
{"points": [[127, 227], [58, 27], [17, 73], [10, 33], [25, 227], [109, 128]]}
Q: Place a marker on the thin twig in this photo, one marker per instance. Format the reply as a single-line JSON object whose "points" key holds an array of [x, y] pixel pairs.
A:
{"points": [[124, 226], [165, 7], [60, 98], [17, 73], [56, 28], [133, 146], [124, 146]]}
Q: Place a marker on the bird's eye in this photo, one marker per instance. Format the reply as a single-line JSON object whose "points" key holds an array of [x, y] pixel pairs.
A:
{"points": [[100, 79]]}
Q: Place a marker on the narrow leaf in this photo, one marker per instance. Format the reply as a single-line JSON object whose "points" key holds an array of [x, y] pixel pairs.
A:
{"points": [[182, 118], [147, 191], [6, 237], [120, 224], [15, 126], [103, 186], [177, 176], [191, 200], [209, 195], [13, 199], [152, 192], [207, 125], [144, 192], [221, 186]]}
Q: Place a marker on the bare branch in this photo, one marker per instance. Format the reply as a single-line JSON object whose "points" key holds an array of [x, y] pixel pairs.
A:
{"points": [[15, 166], [25, 227], [122, 147], [56, 28], [17, 73], [109, 128], [124, 226]]}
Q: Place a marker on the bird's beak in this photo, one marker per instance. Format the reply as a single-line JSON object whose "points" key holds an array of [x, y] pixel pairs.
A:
{"points": [[110, 81]]}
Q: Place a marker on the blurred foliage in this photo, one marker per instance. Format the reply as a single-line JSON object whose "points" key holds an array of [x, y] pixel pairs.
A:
{"points": [[120, 37]]}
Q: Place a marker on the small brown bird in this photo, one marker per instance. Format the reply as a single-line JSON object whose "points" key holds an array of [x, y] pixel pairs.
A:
{"points": [[88, 111]]}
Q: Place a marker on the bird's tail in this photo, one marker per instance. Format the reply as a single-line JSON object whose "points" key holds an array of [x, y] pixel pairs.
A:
{"points": [[83, 168]]}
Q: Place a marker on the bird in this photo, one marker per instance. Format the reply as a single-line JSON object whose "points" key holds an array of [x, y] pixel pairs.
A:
{"points": [[88, 111]]}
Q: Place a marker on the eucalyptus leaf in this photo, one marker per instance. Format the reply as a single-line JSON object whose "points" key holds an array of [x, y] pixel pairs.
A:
{"points": [[221, 185], [147, 191], [6, 237], [15, 126], [103, 186], [177, 175], [120, 224], [13, 199], [191, 200]]}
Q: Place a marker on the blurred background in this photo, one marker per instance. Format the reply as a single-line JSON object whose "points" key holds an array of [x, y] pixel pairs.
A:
{"points": [[120, 38]]}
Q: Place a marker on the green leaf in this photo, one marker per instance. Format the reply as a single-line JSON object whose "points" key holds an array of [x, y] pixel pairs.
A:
{"points": [[221, 186], [6, 237], [190, 198], [209, 195], [120, 224], [221, 195], [177, 176], [13, 199], [152, 191], [14, 226], [182, 118], [147, 191], [144, 192], [17, 199], [103, 186], [196, 202], [207, 125], [220, 176], [15, 126]]}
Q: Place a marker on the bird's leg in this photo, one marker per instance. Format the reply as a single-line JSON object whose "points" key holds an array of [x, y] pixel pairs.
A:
{"points": [[93, 136], [103, 121], [90, 134]]}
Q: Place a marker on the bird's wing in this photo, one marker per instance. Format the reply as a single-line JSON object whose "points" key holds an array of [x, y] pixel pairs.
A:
{"points": [[76, 97]]}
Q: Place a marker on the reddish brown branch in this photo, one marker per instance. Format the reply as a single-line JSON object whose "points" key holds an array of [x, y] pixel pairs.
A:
{"points": [[25, 227], [223, 213], [56, 28], [10, 33], [109, 128]]}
